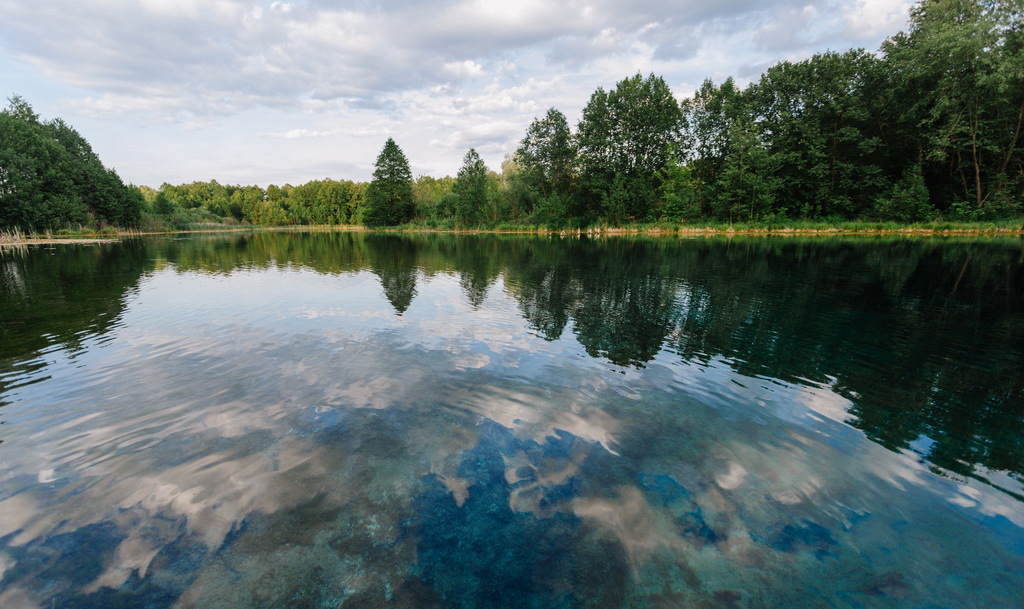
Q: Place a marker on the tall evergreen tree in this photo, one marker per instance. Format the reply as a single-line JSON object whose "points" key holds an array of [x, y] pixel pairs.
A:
{"points": [[389, 198], [470, 189]]}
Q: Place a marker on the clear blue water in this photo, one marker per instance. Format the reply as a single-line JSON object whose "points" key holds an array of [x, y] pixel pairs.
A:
{"points": [[354, 420]]}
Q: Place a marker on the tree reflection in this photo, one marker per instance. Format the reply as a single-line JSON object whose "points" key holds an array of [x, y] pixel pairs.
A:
{"points": [[49, 299], [924, 337], [394, 260], [625, 305]]}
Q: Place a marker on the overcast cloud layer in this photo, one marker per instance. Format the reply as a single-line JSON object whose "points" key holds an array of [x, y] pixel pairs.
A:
{"points": [[274, 92]]}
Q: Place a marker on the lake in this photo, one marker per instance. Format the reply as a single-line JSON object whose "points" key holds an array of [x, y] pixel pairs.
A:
{"points": [[335, 419]]}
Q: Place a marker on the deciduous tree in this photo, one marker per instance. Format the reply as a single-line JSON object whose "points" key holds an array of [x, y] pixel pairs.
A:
{"points": [[961, 62], [630, 131], [546, 156]]}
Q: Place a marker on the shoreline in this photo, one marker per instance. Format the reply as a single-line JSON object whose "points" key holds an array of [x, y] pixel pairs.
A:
{"points": [[707, 231]]}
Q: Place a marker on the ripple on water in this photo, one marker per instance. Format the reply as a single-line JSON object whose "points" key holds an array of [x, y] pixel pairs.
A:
{"points": [[279, 436]]}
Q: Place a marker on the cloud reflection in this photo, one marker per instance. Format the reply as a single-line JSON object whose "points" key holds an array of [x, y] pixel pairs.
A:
{"points": [[258, 455]]}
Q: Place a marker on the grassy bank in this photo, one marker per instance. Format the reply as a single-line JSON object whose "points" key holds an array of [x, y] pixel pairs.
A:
{"points": [[709, 228], [811, 227], [781, 227]]}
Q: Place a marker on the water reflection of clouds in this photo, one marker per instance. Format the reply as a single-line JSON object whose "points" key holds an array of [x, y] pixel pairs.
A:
{"points": [[691, 469], [183, 403]]}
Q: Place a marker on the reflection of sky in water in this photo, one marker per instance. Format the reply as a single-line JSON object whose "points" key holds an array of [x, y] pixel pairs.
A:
{"points": [[283, 438]]}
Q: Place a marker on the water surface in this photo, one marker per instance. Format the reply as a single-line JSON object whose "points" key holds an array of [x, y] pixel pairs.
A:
{"points": [[358, 420]]}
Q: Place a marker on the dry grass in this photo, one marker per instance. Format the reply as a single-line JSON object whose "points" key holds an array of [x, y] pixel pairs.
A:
{"points": [[12, 236]]}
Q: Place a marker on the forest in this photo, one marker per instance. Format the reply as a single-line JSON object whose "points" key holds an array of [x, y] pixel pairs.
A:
{"points": [[926, 128]]}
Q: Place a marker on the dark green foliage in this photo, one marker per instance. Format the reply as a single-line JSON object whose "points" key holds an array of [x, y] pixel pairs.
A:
{"points": [[546, 159], [707, 135], [747, 185], [958, 72], [817, 117], [630, 130], [389, 198], [100, 189], [907, 201], [626, 135], [629, 197], [679, 193], [554, 211], [50, 176], [33, 189], [470, 190], [163, 205]]}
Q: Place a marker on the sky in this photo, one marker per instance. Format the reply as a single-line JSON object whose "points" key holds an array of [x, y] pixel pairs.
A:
{"points": [[256, 92]]}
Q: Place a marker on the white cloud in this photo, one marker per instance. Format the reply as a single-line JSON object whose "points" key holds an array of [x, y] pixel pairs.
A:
{"points": [[871, 19], [483, 136], [294, 134], [788, 30], [464, 69]]}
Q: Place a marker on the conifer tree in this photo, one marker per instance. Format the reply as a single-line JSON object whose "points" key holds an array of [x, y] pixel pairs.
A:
{"points": [[389, 198], [470, 189]]}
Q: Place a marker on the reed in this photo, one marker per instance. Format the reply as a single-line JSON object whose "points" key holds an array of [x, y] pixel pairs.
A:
{"points": [[12, 236]]}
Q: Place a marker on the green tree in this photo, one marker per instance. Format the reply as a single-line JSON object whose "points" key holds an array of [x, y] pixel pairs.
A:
{"points": [[747, 185], [818, 119], [546, 156], [249, 200], [631, 131], [389, 197], [907, 200], [679, 193], [162, 205], [50, 176], [470, 190], [432, 197], [708, 119], [34, 190], [518, 197], [961, 62]]}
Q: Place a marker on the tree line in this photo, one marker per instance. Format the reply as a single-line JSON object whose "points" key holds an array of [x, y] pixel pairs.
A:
{"points": [[929, 126]]}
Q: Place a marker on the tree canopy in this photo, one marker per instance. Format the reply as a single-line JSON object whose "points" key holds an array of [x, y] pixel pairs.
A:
{"points": [[50, 177], [389, 197], [470, 189], [625, 138]]}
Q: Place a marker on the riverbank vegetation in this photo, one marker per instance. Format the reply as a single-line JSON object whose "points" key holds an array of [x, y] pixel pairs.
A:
{"points": [[50, 178], [927, 131]]}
